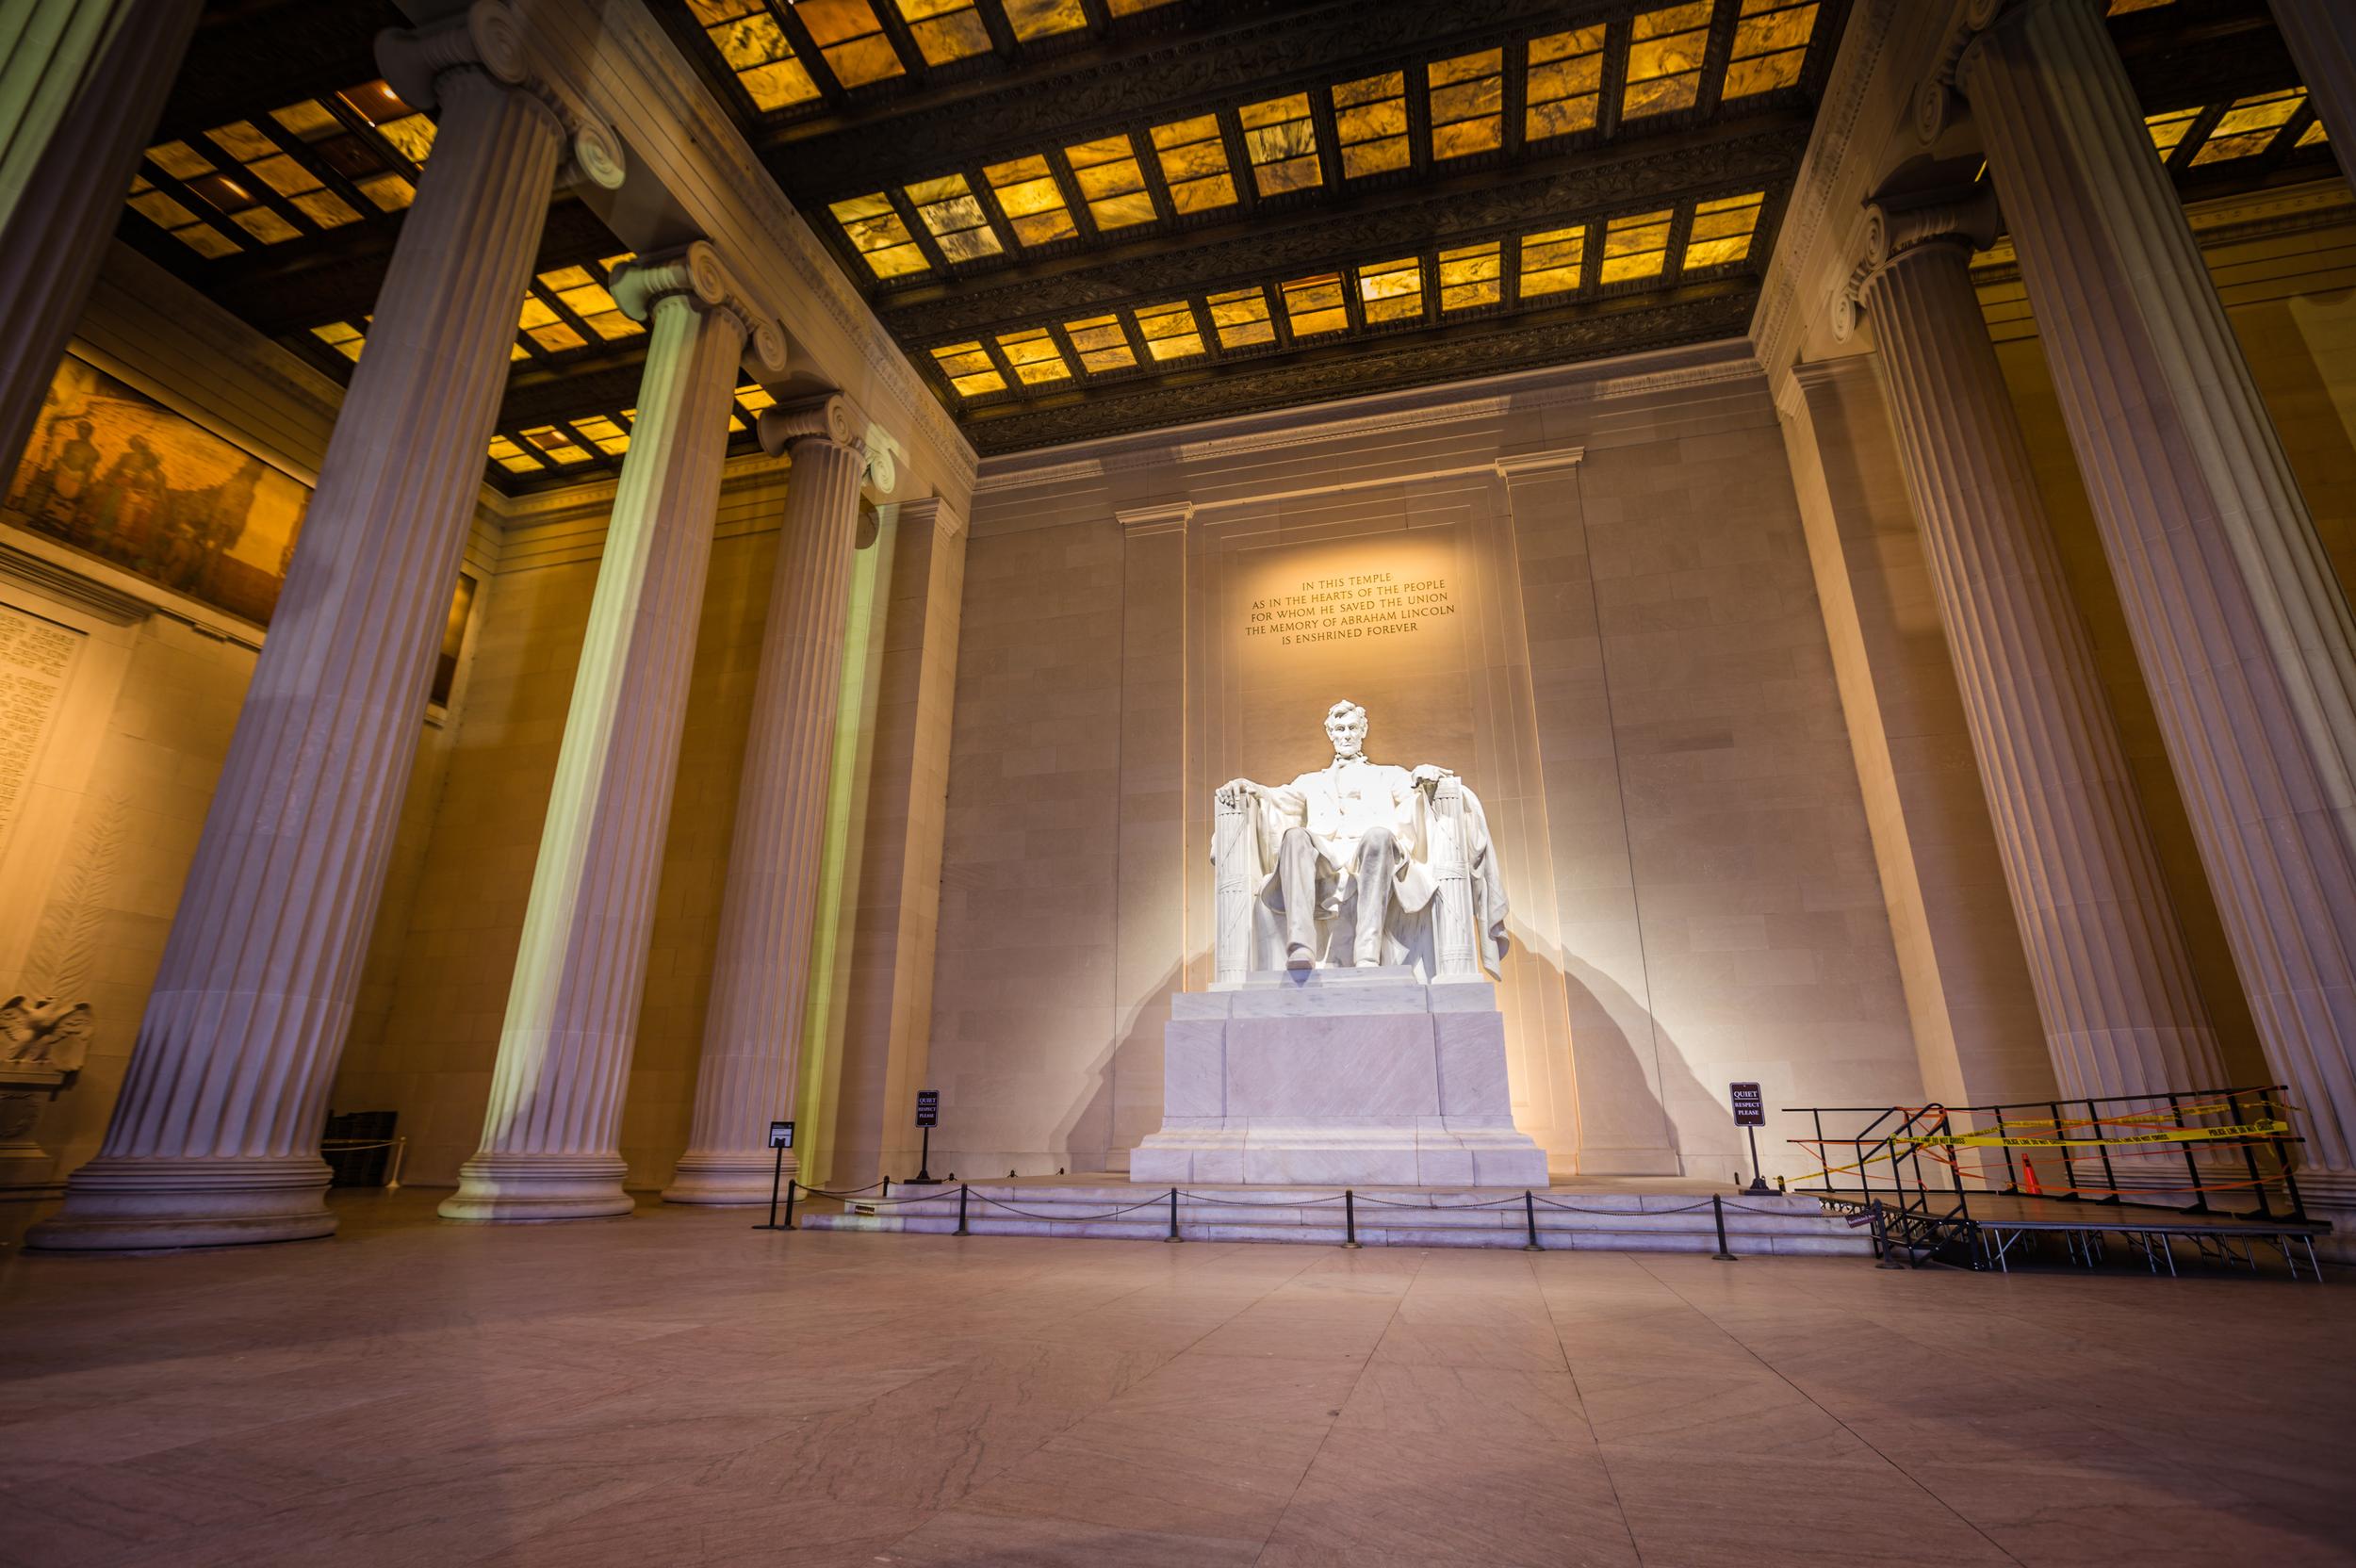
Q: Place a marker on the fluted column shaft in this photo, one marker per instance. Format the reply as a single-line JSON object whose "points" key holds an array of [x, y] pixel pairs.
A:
{"points": [[760, 976], [2243, 633], [2114, 986], [81, 83], [551, 1132], [215, 1135], [2322, 36]]}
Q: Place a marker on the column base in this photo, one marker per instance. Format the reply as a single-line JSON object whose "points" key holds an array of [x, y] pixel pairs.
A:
{"points": [[135, 1204], [725, 1177], [524, 1187]]}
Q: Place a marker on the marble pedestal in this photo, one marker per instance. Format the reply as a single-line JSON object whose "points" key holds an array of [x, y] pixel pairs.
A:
{"points": [[1352, 1077]]}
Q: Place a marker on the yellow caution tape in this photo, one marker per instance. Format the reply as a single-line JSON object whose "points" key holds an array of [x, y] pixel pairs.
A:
{"points": [[2173, 1134]]}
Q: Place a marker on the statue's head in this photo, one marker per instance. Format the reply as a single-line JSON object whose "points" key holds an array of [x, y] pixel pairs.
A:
{"points": [[1346, 726]]}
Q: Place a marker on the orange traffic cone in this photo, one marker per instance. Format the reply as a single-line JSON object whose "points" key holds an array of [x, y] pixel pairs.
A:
{"points": [[2028, 1179]]}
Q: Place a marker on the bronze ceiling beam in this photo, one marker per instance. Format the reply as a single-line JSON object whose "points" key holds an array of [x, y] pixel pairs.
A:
{"points": [[1409, 219], [1160, 74]]}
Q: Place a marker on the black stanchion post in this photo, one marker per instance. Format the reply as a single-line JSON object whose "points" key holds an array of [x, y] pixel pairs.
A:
{"points": [[963, 1191], [789, 1184], [887, 1187], [2249, 1158], [2192, 1166], [1530, 1218], [775, 1176], [1173, 1217], [1349, 1218], [2110, 1177], [1718, 1218]]}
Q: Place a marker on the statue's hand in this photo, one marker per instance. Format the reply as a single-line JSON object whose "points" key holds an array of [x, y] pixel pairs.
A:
{"points": [[1237, 792], [1431, 773]]}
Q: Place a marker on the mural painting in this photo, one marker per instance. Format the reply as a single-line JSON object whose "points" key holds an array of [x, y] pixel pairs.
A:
{"points": [[111, 471]]}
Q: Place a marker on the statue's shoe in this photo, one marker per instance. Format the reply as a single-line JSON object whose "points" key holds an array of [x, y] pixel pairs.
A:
{"points": [[1297, 956]]}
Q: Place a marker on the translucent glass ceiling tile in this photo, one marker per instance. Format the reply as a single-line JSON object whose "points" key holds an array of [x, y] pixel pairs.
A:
{"points": [[1370, 125], [1240, 318], [2250, 126], [756, 52], [1467, 96], [1033, 18], [1110, 182], [1551, 261], [1470, 276], [1033, 202], [945, 30], [877, 233], [955, 219], [1563, 83], [1034, 355], [1722, 230], [1313, 306], [850, 40], [1664, 59], [1100, 343], [1769, 46], [1282, 142], [1635, 246], [1194, 164], [970, 369], [1170, 331], [1391, 290]]}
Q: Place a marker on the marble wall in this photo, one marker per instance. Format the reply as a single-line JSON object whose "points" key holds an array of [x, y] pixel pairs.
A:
{"points": [[102, 833], [1574, 588]]}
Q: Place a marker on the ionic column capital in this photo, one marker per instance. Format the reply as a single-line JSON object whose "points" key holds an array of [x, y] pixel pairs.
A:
{"points": [[831, 418], [697, 273], [1895, 229], [488, 38]]}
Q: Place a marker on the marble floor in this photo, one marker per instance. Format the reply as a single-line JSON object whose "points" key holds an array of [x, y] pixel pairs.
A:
{"points": [[680, 1389]]}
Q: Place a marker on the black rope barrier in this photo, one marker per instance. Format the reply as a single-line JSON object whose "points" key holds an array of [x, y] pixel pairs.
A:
{"points": [[1113, 1214]]}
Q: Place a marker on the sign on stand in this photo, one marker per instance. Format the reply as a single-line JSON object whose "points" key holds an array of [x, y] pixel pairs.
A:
{"points": [[1750, 1113], [927, 1116], [780, 1134]]}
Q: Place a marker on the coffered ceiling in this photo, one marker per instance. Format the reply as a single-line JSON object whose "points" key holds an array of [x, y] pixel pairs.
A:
{"points": [[1082, 216]]}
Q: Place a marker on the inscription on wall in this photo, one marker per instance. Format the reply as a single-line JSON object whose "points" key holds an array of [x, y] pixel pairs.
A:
{"points": [[35, 658], [1349, 607]]}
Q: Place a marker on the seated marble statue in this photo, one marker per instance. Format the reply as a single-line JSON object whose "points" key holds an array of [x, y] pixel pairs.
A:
{"points": [[1358, 864]]}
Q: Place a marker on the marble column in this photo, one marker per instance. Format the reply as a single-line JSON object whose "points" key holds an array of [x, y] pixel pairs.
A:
{"points": [[215, 1134], [2114, 986], [551, 1132], [2242, 632], [2322, 36], [84, 81], [761, 974]]}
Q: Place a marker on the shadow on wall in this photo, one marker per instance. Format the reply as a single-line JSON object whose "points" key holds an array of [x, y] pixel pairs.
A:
{"points": [[1633, 1089]]}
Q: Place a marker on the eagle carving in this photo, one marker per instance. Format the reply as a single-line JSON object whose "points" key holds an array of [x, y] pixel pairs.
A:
{"points": [[43, 1032]]}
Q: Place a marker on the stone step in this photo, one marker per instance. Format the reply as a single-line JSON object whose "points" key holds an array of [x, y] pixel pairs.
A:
{"points": [[1567, 1219]]}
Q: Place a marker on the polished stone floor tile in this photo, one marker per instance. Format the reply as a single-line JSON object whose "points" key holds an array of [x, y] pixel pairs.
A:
{"points": [[679, 1389]]}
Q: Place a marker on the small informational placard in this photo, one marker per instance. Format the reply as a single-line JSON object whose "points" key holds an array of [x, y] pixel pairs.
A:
{"points": [[780, 1134], [928, 1107], [1750, 1108]]}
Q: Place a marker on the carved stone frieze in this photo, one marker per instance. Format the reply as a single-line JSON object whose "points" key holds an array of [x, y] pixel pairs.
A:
{"points": [[1693, 315]]}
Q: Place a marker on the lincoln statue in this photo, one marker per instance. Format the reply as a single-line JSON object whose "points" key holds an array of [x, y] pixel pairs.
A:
{"points": [[1342, 865]]}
